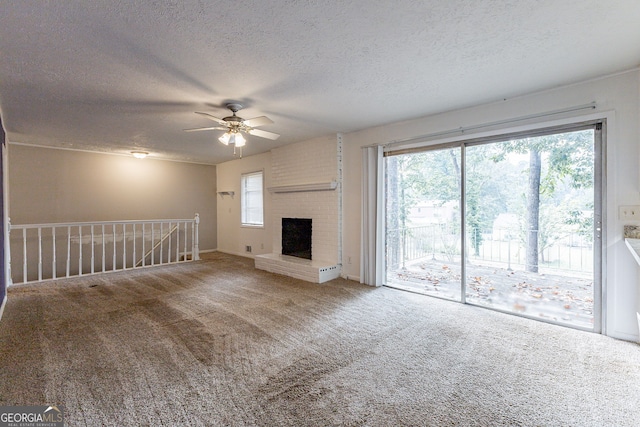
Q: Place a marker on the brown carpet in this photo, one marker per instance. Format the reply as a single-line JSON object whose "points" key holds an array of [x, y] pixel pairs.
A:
{"points": [[216, 342]]}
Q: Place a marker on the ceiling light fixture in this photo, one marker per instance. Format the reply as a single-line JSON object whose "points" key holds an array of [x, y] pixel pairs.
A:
{"points": [[235, 126], [233, 137], [139, 154]]}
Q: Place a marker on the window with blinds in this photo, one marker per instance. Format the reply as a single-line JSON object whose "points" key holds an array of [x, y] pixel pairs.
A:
{"points": [[251, 199]]}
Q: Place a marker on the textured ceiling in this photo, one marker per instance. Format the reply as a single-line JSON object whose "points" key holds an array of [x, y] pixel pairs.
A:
{"points": [[117, 75]]}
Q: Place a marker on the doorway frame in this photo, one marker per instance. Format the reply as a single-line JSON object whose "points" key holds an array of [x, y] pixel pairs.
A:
{"points": [[569, 123]]}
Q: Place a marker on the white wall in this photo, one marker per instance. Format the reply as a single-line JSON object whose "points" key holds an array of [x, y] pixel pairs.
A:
{"points": [[232, 237], [309, 162], [616, 96]]}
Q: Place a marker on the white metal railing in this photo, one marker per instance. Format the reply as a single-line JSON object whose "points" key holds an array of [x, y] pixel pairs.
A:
{"points": [[571, 252], [60, 250]]}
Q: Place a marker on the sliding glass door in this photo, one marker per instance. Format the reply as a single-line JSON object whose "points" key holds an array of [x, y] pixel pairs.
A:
{"points": [[527, 208], [423, 229]]}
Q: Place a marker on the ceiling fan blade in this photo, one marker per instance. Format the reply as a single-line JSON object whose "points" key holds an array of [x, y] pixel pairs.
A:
{"points": [[209, 128], [210, 117], [258, 121], [263, 134]]}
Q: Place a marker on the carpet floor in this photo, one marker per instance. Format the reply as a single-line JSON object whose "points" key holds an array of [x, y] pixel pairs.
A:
{"points": [[217, 343]]}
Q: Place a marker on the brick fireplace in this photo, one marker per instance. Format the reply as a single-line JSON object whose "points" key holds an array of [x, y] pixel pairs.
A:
{"points": [[305, 180]]}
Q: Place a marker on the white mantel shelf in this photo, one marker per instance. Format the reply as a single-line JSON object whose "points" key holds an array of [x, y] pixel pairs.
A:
{"points": [[634, 247], [315, 186]]}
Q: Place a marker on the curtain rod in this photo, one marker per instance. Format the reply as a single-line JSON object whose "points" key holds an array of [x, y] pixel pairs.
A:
{"points": [[462, 130]]}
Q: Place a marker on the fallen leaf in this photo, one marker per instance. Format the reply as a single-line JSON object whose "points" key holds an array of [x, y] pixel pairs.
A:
{"points": [[519, 307]]}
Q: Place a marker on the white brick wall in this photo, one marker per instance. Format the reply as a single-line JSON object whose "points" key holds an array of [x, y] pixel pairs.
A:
{"points": [[311, 271], [311, 161], [305, 163]]}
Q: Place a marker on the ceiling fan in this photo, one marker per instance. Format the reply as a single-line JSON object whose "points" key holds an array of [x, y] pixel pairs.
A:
{"points": [[235, 126]]}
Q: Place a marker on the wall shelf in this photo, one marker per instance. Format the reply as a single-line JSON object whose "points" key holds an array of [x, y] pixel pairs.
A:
{"points": [[226, 193], [296, 188]]}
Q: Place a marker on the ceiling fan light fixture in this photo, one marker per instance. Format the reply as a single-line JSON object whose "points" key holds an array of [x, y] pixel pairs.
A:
{"points": [[225, 138], [233, 138], [239, 140], [235, 127]]}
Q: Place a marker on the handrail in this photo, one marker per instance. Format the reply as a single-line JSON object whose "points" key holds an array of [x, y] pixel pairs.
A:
{"points": [[51, 251], [89, 223]]}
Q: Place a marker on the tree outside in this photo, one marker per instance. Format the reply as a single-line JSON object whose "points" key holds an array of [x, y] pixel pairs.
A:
{"points": [[529, 209]]}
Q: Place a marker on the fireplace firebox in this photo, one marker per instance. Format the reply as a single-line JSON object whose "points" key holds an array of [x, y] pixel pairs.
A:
{"points": [[296, 237]]}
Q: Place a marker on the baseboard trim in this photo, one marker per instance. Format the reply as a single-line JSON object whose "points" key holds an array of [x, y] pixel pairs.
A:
{"points": [[242, 254], [625, 336], [4, 302]]}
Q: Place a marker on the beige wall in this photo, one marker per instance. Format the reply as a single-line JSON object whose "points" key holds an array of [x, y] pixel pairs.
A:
{"points": [[53, 185], [233, 238]]}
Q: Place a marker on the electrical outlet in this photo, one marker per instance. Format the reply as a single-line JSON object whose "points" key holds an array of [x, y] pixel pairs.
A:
{"points": [[248, 248], [630, 213], [348, 260]]}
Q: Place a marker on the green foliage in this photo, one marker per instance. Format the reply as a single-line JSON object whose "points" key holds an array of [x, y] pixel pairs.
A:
{"points": [[497, 182], [432, 176], [565, 155], [582, 220]]}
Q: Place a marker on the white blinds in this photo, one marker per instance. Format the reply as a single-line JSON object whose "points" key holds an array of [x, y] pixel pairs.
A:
{"points": [[252, 199], [372, 240]]}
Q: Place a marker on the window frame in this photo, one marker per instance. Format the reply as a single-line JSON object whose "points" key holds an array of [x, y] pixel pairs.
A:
{"points": [[244, 222]]}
